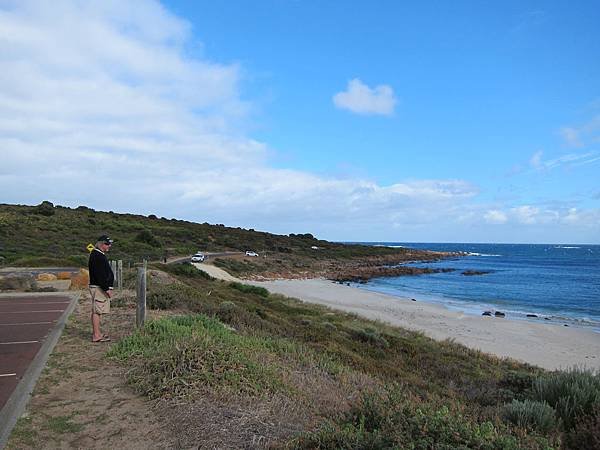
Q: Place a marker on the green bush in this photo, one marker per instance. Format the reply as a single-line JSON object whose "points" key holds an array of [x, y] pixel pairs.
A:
{"points": [[573, 394], [586, 434], [531, 414], [370, 335], [45, 208], [171, 296], [146, 237], [395, 420], [188, 270], [248, 289], [185, 356]]}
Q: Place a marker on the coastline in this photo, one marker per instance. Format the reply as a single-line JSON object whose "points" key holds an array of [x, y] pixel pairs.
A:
{"points": [[548, 345]]}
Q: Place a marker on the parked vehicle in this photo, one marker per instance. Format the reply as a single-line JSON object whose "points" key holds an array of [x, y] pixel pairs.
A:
{"points": [[250, 253], [198, 257]]}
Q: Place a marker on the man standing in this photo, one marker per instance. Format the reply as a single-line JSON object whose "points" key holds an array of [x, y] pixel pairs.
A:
{"points": [[101, 285]]}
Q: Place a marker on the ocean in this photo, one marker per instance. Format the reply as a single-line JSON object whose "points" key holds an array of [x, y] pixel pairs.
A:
{"points": [[560, 283]]}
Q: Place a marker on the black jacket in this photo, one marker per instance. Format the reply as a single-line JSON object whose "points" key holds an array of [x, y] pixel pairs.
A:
{"points": [[101, 273]]}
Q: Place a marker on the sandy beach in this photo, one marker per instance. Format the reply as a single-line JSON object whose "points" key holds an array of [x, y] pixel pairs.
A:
{"points": [[551, 346], [548, 345]]}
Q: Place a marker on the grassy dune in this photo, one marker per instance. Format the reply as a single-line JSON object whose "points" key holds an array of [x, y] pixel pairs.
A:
{"points": [[46, 235], [354, 383]]}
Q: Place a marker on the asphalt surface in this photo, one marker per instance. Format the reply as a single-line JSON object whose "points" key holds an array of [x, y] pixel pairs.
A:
{"points": [[25, 323]]}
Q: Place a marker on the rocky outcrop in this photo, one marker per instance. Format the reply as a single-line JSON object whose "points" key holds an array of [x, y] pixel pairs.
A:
{"points": [[363, 274], [475, 272]]}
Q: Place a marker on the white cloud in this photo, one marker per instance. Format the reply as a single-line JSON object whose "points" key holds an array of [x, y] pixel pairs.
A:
{"points": [[361, 99], [571, 136], [582, 135], [526, 214], [532, 215], [569, 160], [536, 160], [495, 216]]}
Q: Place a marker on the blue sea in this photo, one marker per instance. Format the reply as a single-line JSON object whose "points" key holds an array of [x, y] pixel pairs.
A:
{"points": [[560, 283]]}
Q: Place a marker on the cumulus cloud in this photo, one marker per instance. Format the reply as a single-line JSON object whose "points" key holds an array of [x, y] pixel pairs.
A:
{"points": [[361, 99]]}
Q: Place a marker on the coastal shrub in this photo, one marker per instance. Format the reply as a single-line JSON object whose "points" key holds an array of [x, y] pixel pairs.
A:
{"points": [[146, 237], [184, 356], [370, 335], [395, 420], [45, 208], [531, 414], [188, 270], [236, 267], [249, 289], [171, 296], [586, 434], [573, 394]]}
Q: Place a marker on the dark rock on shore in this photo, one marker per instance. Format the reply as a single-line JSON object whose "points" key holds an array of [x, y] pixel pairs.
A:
{"points": [[363, 274], [499, 314], [532, 315], [487, 313], [476, 272]]}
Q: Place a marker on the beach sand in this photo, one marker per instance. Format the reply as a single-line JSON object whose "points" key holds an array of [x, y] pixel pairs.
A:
{"points": [[548, 345]]}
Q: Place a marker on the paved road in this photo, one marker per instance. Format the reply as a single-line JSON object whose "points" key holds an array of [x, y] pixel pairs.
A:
{"points": [[30, 326], [25, 323]]}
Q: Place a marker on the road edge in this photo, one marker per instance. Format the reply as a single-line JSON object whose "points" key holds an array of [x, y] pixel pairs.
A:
{"points": [[15, 406]]}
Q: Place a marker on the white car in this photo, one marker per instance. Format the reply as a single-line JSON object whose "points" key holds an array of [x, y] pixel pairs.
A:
{"points": [[249, 253], [198, 257]]}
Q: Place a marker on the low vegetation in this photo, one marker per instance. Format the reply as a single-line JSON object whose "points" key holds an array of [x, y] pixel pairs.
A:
{"points": [[360, 384], [53, 235]]}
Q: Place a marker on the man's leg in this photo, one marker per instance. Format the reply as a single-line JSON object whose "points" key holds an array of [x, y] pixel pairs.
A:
{"points": [[96, 334]]}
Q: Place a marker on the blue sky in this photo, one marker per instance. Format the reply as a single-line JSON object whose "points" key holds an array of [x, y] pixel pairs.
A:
{"points": [[438, 121]]}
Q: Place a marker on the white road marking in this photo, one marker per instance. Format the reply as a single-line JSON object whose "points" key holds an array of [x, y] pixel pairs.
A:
{"points": [[28, 312], [8, 375], [19, 342]]}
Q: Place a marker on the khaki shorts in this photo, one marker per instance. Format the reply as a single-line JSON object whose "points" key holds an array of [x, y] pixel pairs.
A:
{"points": [[100, 301]]}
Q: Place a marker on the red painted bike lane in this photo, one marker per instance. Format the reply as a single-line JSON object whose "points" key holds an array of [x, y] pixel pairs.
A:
{"points": [[25, 323]]}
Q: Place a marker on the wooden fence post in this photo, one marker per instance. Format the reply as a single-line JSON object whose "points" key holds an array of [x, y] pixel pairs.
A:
{"points": [[113, 266], [120, 274], [140, 314]]}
